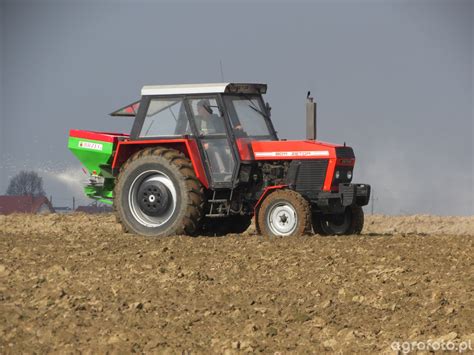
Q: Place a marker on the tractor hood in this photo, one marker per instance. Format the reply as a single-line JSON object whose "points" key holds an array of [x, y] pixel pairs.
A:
{"points": [[290, 150]]}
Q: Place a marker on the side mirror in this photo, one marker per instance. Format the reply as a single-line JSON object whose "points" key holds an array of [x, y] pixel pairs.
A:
{"points": [[268, 108]]}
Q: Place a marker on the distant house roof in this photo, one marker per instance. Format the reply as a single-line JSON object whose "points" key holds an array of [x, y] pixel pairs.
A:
{"points": [[25, 204]]}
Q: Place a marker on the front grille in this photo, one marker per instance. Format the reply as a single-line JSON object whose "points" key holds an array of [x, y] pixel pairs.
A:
{"points": [[344, 152], [307, 176]]}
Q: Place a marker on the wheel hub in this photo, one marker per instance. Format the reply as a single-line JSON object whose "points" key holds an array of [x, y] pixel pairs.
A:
{"points": [[282, 219], [153, 198]]}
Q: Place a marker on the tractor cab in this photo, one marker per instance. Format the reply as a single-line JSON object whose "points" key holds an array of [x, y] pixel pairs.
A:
{"points": [[223, 120]]}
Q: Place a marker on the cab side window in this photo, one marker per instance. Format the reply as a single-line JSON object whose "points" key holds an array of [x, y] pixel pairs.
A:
{"points": [[165, 117]]}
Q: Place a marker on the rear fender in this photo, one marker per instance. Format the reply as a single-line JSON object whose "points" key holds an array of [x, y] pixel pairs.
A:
{"points": [[188, 147]]}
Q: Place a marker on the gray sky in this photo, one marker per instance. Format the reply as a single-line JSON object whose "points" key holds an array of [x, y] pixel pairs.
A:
{"points": [[392, 79]]}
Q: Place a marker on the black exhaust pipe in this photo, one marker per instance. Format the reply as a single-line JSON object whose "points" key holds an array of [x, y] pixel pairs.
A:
{"points": [[310, 118]]}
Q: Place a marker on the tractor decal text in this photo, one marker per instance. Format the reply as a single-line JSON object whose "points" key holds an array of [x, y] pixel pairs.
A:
{"points": [[304, 153], [90, 145]]}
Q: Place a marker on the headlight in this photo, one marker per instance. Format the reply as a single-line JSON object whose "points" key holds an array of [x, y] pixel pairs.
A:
{"points": [[336, 175], [349, 174]]}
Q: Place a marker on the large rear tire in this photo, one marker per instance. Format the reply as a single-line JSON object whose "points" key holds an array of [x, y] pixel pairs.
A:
{"points": [[284, 213], [157, 194], [350, 222]]}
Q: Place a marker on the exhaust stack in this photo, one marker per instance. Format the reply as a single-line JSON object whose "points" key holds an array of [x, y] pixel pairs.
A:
{"points": [[310, 118]]}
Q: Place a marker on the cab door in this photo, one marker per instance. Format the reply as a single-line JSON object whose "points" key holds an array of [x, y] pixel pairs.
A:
{"points": [[211, 132]]}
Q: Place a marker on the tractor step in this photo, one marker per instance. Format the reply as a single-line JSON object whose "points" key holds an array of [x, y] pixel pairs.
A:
{"points": [[217, 205]]}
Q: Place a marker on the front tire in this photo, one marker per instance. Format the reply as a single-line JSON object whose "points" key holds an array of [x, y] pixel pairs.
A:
{"points": [[284, 213], [348, 223], [157, 194]]}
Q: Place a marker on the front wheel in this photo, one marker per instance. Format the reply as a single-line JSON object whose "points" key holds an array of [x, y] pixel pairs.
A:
{"points": [[284, 213], [347, 223]]}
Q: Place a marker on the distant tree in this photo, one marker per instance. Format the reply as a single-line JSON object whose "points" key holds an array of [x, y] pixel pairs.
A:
{"points": [[26, 183]]}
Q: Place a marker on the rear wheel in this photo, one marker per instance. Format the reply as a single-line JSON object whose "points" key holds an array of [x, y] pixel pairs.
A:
{"points": [[284, 213], [349, 222], [158, 194]]}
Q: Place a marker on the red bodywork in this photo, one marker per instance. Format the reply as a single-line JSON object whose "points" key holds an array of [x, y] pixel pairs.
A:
{"points": [[244, 145], [248, 150], [97, 136]]}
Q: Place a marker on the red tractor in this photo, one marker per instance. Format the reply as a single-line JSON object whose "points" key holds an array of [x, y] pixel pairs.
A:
{"points": [[205, 159]]}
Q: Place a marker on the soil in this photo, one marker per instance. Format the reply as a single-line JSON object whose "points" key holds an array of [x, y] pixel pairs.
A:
{"points": [[76, 283]]}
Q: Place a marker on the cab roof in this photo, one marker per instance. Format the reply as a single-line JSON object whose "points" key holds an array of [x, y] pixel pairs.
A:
{"points": [[190, 89], [207, 88]]}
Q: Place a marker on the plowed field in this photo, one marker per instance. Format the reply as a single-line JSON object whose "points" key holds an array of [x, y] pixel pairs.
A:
{"points": [[72, 283]]}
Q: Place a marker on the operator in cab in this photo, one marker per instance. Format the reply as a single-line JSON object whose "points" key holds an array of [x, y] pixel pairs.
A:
{"points": [[207, 121]]}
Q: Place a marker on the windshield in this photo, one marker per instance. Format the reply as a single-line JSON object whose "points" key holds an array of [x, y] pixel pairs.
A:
{"points": [[248, 116]]}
